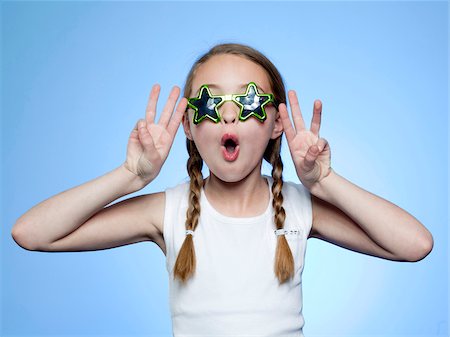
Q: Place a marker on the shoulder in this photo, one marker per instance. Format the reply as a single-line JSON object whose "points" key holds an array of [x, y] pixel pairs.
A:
{"points": [[297, 200], [292, 187], [151, 206], [295, 191], [167, 201], [297, 194]]}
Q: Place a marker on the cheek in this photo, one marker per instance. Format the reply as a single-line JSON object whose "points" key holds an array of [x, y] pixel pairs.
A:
{"points": [[262, 129], [204, 135], [257, 135]]}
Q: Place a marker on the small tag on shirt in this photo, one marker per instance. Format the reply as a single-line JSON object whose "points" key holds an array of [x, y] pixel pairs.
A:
{"points": [[291, 232]]}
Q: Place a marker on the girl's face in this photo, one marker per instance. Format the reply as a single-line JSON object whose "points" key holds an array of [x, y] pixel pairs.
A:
{"points": [[231, 74]]}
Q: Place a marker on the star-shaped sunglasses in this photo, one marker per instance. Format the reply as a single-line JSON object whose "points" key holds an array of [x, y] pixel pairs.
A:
{"points": [[251, 103]]}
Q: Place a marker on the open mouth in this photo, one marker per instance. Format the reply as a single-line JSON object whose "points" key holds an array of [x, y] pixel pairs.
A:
{"points": [[230, 145], [230, 142]]}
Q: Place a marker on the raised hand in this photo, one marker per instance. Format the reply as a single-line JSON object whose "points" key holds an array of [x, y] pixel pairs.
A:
{"points": [[310, 153], [149, 143]]}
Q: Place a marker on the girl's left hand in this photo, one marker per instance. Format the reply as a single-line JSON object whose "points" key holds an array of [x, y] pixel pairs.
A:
{"points": [[310, 153]]}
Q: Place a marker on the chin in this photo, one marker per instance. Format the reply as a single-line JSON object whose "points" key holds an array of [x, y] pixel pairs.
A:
{"points": [[230, 175]]}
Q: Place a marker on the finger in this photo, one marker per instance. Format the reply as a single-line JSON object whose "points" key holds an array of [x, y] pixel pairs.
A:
{"points": [[286, 122], [177, 116], [145, 138], [322, 143], [296, 112], [168, 108], [317, 115], [311, 156], [135, 131], [150, 111]]}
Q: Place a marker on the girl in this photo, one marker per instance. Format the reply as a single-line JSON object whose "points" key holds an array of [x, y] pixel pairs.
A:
{"points": [[234, 242]]}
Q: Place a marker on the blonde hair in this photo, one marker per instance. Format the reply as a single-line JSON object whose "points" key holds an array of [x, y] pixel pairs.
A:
{"points": [[284, 262]]}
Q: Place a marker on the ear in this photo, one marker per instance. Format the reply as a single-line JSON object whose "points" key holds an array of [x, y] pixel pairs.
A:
{"points": [[186, 126], [278, 127]]}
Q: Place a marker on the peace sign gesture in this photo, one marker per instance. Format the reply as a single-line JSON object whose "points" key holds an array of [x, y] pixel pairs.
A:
{"points": [[149, 143], [310, 153]]}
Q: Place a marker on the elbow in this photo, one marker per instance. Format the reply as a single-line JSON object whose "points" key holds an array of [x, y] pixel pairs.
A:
{"points": [[423, 249], [21, 238]]}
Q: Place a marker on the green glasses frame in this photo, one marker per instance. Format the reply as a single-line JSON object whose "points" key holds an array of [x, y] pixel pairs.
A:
{"points": [[252, 103]]}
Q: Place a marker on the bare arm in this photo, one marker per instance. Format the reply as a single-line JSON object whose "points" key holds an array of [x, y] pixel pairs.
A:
{"points": [[371, 224], [344, 213], [76, 218], [62, 214]]}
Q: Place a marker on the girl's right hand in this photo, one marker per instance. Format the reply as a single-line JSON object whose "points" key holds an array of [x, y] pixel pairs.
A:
{"points": [[149, 143]]}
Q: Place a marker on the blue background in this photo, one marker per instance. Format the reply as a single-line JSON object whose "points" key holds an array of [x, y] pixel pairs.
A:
{"points": [[76, 77]]}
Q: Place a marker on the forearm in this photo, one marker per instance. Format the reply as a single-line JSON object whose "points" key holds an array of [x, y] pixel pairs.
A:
{"points": [[63, 213], [388, 225]]}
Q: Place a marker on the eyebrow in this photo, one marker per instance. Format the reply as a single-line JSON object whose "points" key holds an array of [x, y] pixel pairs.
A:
{"points": [[242, 86]]}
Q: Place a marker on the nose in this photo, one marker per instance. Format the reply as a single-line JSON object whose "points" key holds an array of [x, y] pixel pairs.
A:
{"points": [[229, 112]]}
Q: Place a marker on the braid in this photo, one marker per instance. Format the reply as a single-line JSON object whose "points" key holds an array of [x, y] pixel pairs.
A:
{"points": [[185, 264], [284, 261]]}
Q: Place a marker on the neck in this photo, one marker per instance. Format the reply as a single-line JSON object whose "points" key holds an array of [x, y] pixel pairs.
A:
{"points": [[247, 197]]}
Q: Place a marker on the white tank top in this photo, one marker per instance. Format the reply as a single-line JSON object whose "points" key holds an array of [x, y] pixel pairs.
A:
{"points": [[234, 290]]}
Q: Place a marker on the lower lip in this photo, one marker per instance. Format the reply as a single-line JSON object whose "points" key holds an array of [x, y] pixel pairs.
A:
{"points": [[230, 156]]}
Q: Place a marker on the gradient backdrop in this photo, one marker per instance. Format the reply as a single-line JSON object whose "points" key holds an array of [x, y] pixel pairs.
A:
{"points": [[76, 77]]}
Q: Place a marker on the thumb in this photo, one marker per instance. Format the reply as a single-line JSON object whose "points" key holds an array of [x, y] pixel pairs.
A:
{"points": [[145, 138], [322, 144], [310, 158]]}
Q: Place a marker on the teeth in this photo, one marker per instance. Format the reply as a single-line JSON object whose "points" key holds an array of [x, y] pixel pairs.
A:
{"points": [[230, 149]]}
